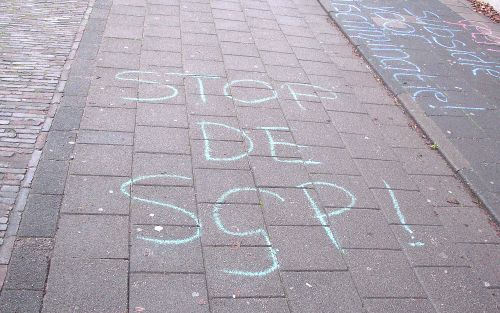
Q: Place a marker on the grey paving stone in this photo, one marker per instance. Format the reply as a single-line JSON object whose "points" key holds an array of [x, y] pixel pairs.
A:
{"points": [[303, 42], [77, 86], [270, 173], [235, 36], [119, 44], [495, 294], [305, 248], [26, 301], [388, 114], [353, 65], [376, 172], [455, 290], [344, 101], [422, 161], [29, 264], [185, 292], [81, 71], [314, 111], [40, 216], [483, 261], [365, 229], [67, 118], [443, 191], [221, 154], [204, 67], [153, 251], [105, 137], [374, 95], [315, 134], [49, 177], [295, 209], [212, 184], [162, 169], [153, 43], [273, 45], [243, 63], [438, 248], [76, 285], [164, 10], [199, 39], [111, 96], [307, 292], [287, 74], [354, 123], [412, 205], [216, 127], [95, 195], [202, 88], [153, 205], [252, 118], [72, 101], [201, 53], [331, 161], [367, 147], [188, 16], [59, 145], [101, 160], [284, 147], [468, 224], [224, 263], [119, 60], [238, 218], [132, 10], [162, 31], [319, 68], [235, 48], [204, 25], [335, 191], [398, 305], [161, 58], [383, 273], [249, 305], [276, 58], [251, 94], [108, 119], [92, 236], [214, 105], [310, 54], [149, 114], [402, 136], [161, 140]]}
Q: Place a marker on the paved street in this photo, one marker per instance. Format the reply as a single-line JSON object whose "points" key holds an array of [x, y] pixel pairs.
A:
{"points": [[242, 156]]}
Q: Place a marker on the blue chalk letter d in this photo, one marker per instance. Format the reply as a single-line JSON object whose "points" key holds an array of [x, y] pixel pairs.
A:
{"points": [[209, 141]]}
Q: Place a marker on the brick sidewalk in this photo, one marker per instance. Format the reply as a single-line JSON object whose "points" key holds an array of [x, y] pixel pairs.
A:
{"points": [[36, 40], [238, 156]]}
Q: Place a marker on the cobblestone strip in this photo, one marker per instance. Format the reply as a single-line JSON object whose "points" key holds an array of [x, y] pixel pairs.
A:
{"points": [[37, 44]]}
